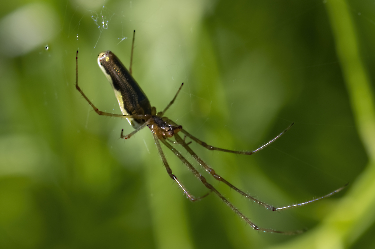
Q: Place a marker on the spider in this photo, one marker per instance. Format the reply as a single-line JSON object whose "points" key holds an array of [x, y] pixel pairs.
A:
{"points": [[136, 108]]}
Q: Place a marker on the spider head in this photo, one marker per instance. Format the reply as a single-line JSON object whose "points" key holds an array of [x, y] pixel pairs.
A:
{"points": [[170, 130], [162, 128]]}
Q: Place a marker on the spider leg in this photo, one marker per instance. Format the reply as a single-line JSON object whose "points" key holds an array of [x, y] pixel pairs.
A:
{"points": [[218, 177], [170, 103], [313, 200], [185, 140], [131, 55], [213, 189], [135, 131], [209, 147], [221, 179], [87, 99], [171, 141], [174, 142], [169, 170]]}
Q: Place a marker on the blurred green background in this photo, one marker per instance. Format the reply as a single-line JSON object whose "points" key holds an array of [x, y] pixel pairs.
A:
{"points": [[250, 68]]}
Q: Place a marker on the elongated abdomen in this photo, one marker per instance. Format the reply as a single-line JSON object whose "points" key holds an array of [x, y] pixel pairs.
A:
{"points": [[132, 100]]}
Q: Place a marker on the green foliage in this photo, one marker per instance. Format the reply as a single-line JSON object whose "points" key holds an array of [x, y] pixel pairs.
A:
{"points": [[250, 68]]}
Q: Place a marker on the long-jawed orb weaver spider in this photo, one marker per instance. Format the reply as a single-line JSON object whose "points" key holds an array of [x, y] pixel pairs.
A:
{"points": [[136, 108]]}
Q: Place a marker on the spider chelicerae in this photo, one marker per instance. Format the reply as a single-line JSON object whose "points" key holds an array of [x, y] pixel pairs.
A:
{"points": [[136, 108]]}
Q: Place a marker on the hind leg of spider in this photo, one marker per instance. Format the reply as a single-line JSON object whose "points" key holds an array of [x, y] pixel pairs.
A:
{"points": [[214, 190], [212, 172], [87, 99], [169, 171]]}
